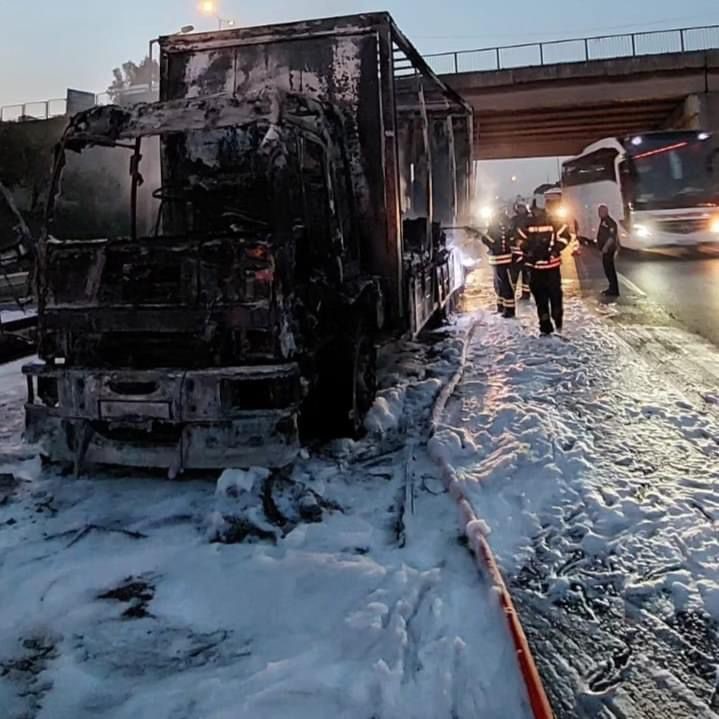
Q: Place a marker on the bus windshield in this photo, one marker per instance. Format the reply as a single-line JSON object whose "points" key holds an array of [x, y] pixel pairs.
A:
{"points": [[672, 172]]}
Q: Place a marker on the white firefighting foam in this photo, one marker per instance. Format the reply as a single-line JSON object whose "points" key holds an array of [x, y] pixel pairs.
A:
{"points": [[574, 451], [121, 597], [580, 433]]}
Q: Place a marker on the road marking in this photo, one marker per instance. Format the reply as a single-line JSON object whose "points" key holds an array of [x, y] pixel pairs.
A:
{"points": [[630, 285]]}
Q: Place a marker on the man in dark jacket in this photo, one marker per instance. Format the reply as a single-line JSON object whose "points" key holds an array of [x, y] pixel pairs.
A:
{"points": [[543, 244], [608, 243], [497, 239], [520, 220]]}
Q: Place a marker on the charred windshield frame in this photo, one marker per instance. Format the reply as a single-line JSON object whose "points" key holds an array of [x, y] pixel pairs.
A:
{"points": [[286, 120], [202, 187], [60, 166]]}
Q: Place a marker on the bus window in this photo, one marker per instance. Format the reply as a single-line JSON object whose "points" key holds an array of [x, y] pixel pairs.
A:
{"points": [[675, 165], [596, 167], [628, 181], [677, 174], [627, 186]]}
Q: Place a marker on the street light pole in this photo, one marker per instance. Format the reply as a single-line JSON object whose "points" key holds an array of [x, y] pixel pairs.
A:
{"points": [[149, 55], [184, 30], [149, 50]]}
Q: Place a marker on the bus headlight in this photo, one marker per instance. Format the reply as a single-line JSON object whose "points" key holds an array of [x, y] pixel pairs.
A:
{"points": [[714, 226], [643, 232], [486, 212]]}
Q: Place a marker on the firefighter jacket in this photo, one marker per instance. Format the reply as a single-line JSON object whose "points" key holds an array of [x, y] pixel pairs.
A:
{"points": [[502, 249], [519, 233], [543, 242]]}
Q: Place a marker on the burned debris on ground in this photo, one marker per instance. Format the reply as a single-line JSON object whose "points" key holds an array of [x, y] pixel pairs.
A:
{"points": [[136, 593]]}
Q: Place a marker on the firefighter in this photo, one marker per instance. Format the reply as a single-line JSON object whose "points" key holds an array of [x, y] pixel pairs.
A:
{"points": [[520, 220], [608, 242], [497, 239], [543, 242]]}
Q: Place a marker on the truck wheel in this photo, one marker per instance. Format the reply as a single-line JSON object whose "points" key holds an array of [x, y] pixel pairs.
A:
{"points": [[346, 386], [362, 356]]}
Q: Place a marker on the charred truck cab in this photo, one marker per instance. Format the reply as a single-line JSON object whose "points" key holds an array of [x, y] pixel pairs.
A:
{"points": [[284, 203]]}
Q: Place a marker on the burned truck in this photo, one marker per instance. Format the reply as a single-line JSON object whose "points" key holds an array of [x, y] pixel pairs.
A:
{"points": [[17, 317], [278, 210]]}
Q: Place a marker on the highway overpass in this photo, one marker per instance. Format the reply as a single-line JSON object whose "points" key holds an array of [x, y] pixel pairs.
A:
{"points": [[554, 98], [557, 108]]}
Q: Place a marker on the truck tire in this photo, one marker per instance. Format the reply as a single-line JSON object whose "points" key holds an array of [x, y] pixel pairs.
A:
{"points": [[346, 386], [362, 358]]}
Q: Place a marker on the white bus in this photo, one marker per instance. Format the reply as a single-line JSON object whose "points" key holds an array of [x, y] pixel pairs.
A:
{"points": [[662, 187]]}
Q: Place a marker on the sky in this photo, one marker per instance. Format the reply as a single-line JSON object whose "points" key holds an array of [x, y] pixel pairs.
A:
{"points": [[47, 46]]}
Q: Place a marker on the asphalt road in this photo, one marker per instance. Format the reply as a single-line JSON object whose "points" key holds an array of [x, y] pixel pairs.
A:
{"points": [[684, 283]]}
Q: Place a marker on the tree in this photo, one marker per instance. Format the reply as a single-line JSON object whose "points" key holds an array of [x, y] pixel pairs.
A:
{"points": [[133, 76]]}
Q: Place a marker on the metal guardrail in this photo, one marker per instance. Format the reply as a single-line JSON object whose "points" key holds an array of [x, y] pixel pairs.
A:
{"points": [[600, 47], [43, 109]]}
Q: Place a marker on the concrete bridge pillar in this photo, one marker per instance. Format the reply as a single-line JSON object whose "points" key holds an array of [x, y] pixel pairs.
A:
{"points": [[709, 111], [696, 112]]}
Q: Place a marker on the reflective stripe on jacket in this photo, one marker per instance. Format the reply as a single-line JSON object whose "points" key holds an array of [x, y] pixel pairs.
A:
{"points": [[498, 242], [500, 259], [544, 243]]}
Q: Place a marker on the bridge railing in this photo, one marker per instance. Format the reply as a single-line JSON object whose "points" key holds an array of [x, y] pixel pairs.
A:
{"points": [[600, 47], [41, 110]]}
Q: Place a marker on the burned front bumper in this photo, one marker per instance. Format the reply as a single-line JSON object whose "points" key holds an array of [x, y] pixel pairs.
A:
{"points": [[171, 419]]}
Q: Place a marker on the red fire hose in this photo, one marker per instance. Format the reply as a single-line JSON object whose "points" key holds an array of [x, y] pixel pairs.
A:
{"points": [[486, 562], [473, 529]]}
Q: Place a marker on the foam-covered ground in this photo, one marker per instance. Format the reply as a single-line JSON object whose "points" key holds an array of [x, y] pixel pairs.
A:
{"points": [[598, 476], [591, 458], [339, 590]]}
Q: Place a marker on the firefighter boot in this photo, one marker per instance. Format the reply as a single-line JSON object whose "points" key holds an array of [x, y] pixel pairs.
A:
{"points": [[510, 308], [546, 327]]}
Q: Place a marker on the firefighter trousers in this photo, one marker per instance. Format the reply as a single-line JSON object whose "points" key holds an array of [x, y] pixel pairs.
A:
{"points": [[547, 291], [521, 270], [504, 288]]}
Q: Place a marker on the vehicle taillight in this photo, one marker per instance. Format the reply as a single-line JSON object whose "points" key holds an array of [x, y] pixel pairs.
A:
{"points": [[264, 275], [258, 252]]}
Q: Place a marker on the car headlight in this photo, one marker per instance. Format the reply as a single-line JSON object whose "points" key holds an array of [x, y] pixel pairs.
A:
{"points": [[714, 226], [642, 231]]}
